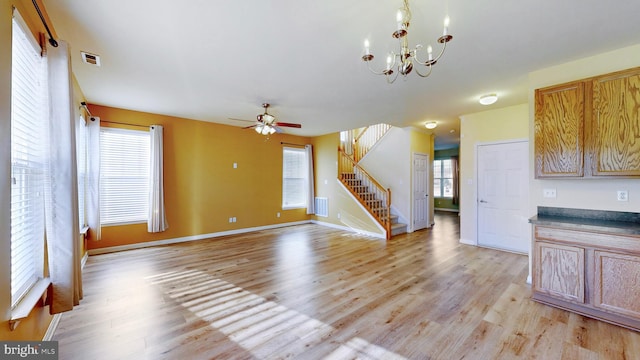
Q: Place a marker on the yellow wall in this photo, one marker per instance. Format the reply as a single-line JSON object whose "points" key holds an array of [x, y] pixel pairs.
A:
{"points": [[343, 210], [35, 326], [497, 125], [202, 189]]}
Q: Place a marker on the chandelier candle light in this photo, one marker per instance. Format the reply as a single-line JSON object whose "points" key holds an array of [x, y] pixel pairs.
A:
{"points": [[406, 57]]}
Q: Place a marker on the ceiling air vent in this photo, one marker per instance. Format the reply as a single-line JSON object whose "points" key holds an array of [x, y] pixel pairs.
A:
{"points": [[91, 59]]}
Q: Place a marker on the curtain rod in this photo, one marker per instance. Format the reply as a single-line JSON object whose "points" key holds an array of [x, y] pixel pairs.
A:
{"points": [[84, 105], [121, 123], [52, 41], [286, 143]]}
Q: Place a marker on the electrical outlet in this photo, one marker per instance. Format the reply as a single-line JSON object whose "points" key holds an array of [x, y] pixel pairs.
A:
{"points": [[338, 215], [277, 214], [549, 193], [234, 219], [623, 195], [230, 219], [235, 165]]}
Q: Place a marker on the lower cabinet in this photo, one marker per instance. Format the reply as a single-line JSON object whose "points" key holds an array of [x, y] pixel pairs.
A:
{"points": [[560, 271], [593, 274], [617, 283]]}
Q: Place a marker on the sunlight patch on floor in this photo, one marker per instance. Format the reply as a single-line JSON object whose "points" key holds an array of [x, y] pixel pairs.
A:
{"points": [[252, 321]]}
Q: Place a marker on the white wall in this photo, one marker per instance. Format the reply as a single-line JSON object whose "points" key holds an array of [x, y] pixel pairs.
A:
{"points": [[393, 172]]}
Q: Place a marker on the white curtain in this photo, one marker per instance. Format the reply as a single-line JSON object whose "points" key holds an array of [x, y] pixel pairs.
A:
{"points": [[93, 178], [61, 186], [157, 220], [308, 149]]}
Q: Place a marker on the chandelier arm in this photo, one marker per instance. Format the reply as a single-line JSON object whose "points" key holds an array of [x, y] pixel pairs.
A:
{"points": [[444, 47], [425, 75], [383, 72], [394, 78], [373, 71]]}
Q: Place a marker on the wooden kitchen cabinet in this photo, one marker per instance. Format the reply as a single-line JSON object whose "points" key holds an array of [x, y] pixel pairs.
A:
{"points": [[616, 124], [593, 273], [589, 128], [559, 131], [616, 287], [560, 271]]}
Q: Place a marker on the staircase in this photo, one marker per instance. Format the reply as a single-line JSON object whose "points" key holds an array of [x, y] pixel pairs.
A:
{"points": [[372, 203], [375, 198]]}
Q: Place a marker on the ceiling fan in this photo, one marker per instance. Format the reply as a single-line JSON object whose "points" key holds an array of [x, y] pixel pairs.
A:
{"points": [[266, 123]]}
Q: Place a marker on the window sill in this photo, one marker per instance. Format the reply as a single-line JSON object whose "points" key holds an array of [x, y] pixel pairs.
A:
{"points": [[28, 302], [124, 223], [84, 231], [293, 207]]}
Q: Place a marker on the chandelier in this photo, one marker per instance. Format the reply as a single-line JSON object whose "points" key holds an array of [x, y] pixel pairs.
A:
{"points": [[406, 57]]}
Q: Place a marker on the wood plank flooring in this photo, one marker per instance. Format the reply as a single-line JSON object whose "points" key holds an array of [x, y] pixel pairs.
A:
{"points": [[312, 292]]}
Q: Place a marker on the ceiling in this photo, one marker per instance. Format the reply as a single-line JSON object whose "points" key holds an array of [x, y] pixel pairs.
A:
{"points": [[215, 60]]}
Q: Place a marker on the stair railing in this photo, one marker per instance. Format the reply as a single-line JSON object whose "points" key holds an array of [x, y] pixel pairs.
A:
{"points": [[377, 199], [367, 138]]}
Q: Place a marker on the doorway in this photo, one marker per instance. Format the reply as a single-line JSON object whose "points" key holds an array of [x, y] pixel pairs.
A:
{"points": [[503, 196], [421, 203]]}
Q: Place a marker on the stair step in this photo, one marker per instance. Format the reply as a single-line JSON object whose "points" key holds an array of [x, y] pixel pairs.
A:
{"points": [[398, 228]]}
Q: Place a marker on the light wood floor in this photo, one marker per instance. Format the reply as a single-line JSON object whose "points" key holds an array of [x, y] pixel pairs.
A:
{"points": [[311, 292]]}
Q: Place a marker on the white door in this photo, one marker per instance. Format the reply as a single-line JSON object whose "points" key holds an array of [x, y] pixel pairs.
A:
{"points": [[503, 196], [420, 191]]}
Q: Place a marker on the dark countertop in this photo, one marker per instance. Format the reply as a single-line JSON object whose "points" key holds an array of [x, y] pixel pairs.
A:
{"points": [[617, 222]]}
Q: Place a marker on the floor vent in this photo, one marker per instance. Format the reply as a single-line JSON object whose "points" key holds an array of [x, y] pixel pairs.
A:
{"points": [[322, 206]]}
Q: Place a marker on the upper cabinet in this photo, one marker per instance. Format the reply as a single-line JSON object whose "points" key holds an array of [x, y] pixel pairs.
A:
{"points": [[559, 130], [589, 128], [616, 124]]}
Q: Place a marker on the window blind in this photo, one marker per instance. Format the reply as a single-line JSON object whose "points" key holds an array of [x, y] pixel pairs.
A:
{"points": [[124, 176], [294, 170], [28, 90]]}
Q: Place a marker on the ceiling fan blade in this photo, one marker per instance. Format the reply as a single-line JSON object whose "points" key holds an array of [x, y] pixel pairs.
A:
{"points": [[250, 127], [292, 125], [234, 119]]}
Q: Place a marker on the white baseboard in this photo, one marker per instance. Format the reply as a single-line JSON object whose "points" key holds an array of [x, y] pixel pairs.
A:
{"points": [[447, 209], [84, 259], [346, 228], [467, 242], [111, 249], [53, 325]]}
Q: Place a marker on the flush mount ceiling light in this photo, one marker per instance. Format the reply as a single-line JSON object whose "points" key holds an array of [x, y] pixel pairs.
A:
{"points": [[430, 125], [406, 57], [488, 99]]}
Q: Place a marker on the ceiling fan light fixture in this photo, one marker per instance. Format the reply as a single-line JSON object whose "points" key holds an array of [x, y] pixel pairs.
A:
{"points": [[431, 125], [488, 99]]}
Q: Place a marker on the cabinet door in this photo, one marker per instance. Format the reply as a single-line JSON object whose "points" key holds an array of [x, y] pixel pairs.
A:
{"points": [[559, 131], [616, 124], [559, 271], [617, 283]]}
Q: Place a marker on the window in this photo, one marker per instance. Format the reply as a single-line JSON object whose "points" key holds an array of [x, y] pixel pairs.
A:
{"points": [[124, 176], [442, 179], [28, 103], [294, 178]]}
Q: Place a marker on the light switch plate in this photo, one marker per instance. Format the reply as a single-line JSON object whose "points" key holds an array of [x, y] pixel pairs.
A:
{"points": [[549, 193]]}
